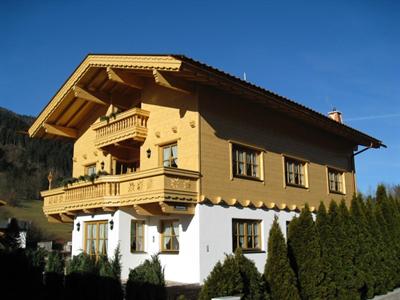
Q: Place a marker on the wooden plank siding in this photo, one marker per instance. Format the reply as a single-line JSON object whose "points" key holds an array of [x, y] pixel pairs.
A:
{"points": [[226, 118]]}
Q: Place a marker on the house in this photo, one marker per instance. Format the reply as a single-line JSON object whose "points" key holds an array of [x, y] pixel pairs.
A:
{"points": [[174, 156]]}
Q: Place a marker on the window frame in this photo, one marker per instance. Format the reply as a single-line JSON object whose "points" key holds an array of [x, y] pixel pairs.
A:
{"points": [[299, 161], [236, 234], [246, 149], [164, 224], [97, 240], [136, 222], [341, 173], [88, 167], [171, 158]]}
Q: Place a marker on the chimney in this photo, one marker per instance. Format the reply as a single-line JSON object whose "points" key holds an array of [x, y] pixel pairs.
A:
{"points": [[335, 115]]}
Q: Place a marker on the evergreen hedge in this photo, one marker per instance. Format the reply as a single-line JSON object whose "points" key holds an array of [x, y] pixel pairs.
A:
{"points": [[348, 252]]}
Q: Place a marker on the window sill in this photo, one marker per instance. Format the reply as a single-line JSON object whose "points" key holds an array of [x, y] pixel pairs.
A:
{"points": [[296, 186], [138, 252], [248, 177], [251, 251], [169, 252], [337, 193]]}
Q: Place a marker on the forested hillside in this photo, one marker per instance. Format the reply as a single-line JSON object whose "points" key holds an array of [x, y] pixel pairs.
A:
{"points": [[25, 162]]}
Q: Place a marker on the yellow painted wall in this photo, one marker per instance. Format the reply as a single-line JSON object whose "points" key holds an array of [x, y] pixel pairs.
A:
{"points": [[173, 117], [85, 153], [227, 118]]}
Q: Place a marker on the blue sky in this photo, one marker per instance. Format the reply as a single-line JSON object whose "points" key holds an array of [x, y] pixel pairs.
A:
{"points": [[323, 54]]}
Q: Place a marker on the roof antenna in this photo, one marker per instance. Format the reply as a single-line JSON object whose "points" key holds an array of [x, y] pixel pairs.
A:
{"points": [[244, 76]]}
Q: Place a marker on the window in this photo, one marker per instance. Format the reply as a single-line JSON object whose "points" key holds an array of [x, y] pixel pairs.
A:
{"points": [[245, 162], [91, 169], [170, 155], [246, 235], [170, 236], [137, 236], [335, 181], [295, 172], [125, 167], [96, 237]]}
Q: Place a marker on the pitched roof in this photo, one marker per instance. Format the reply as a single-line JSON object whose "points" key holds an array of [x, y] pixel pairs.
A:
{"points": [[193, 70]]}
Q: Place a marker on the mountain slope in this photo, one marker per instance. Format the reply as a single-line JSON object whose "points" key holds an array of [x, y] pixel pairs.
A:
{"points": [[24, 162]]}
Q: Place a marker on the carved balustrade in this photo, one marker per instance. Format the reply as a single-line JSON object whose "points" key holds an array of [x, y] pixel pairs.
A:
{"points": [[128, 125], [166, 187]]}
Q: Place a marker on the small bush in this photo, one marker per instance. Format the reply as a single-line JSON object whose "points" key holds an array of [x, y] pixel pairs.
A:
{"points": [[83, 263], [37, 258], [55, 263], [116, 264], [92, 279], [147, 281], [104, 267], [237, 275]]}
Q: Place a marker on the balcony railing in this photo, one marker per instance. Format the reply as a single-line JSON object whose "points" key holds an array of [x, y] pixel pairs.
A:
{"points": [[168, 188], [131, 124]]}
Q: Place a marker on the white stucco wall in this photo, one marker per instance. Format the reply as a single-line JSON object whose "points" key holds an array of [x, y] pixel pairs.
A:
{"points": [[181, 267], [216, 233], [204, 239]]}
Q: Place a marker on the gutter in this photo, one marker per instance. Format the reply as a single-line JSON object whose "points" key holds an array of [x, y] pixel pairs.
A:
{"points": [[372, 145]]}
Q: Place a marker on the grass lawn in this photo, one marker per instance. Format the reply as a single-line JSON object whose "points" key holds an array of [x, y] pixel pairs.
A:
{"points": [[32, 211]]}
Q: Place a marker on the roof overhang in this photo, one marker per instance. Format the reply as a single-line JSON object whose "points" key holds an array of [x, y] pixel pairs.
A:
{"points": [[49, 121], [123, 68]]}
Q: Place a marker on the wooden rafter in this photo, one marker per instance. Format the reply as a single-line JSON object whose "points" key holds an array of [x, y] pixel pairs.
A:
{"points": [[54, 218], [110, 209], [89, 211], [94, 97], [125, 78], [163, 80], [66, 219], [60, 130], [149, 209]]}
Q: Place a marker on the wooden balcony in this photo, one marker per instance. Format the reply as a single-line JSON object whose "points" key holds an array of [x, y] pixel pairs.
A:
{"points": [[152, 192], [130, 125]]}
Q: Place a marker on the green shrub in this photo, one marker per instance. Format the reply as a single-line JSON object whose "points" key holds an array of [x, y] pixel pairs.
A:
{"points": [[305, 255], [37, 258], [237, 275], [83, 263], [92, 279], [366, 256], [55, 263], [278, 275], [104, 267], [224, 280], [116, 264], [147, 281]]}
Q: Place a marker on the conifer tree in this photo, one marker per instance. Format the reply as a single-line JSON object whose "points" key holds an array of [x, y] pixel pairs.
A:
{"points": [[305, 253], [383, 273], [365, 258], [328, 255], [224, 280], [351, 278], [389, 226], [278, 274], [337, 258]]}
